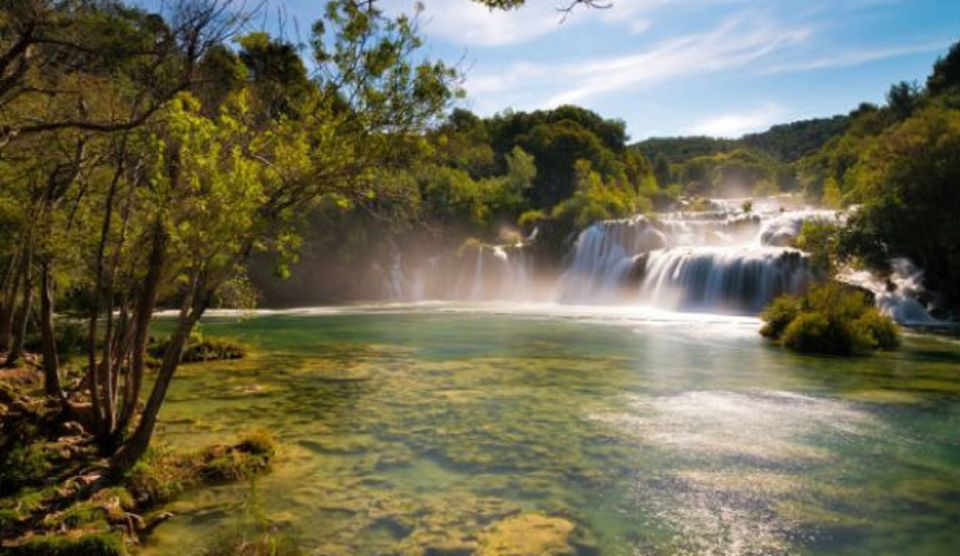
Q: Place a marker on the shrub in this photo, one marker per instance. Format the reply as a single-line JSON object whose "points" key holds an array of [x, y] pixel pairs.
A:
{"points": [[830, 319], [778, 314], [881, 330], [531, 218], [813, 332], [199, 349]]}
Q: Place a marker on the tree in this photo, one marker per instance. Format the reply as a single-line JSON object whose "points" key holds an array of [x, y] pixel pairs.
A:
{"points": [[908, 183], [946, 72], [166, 160]]}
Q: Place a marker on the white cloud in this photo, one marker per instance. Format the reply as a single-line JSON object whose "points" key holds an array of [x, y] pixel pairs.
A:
{"points": [[735, 43], [467, 23], [856, 57], [735, 124]]}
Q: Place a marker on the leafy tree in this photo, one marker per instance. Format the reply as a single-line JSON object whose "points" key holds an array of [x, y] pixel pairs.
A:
{"points": [[946, 73], [908, 183]]}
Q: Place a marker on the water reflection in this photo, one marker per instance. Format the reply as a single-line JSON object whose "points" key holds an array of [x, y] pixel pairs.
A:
{"points": [[410, 430]]}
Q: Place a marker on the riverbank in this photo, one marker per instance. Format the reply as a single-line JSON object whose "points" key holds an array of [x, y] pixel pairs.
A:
{"points": [[59, 496]]}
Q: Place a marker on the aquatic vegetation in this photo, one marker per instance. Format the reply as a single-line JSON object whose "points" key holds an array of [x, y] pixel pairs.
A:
{"points": [[163, 474], [200, 348], [420, 432], [527, 535]]}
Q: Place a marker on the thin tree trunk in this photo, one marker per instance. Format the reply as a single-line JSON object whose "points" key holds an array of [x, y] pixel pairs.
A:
{"points": [[93, 369], [10, 301], [51, 360], [23, 315], [192, 308], [141, 326]]}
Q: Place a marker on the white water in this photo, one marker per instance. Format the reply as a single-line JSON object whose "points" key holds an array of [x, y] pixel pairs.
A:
{"points": [[726, 260], [896, 296], [723, 261]]}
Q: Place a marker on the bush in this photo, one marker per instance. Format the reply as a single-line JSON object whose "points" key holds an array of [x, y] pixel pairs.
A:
{"points": [[830, 319], [531, 218], [199, 349], [778, 314], [881, 330]]}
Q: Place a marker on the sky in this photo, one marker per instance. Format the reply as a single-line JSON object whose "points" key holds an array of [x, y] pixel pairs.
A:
{"points": [[682, 67]]}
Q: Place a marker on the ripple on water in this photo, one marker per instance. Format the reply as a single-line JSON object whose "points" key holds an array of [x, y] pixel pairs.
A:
{"points": [[730, 463]]}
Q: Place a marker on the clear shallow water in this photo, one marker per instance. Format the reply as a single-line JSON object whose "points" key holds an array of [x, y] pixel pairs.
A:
{"points": [[410, 427]]}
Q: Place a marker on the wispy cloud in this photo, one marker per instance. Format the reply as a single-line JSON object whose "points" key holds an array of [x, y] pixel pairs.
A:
{"points": [[467, 23], [856, 57], [736, 42], [736, 124]]}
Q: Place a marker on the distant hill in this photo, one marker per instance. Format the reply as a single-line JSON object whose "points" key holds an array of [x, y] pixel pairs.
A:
{"points": [[785, 142]]}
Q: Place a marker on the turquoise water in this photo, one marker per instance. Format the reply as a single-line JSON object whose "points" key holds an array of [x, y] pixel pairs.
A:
{"points": [[414, 429]]}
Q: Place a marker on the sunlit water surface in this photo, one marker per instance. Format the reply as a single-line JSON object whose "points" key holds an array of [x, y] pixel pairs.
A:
{"points": [[410, 427]]}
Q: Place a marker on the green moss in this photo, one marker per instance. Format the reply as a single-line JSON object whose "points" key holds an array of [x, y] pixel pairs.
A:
{"points": [[199, 349], [85, 544], [26, 465], [162, 475]]}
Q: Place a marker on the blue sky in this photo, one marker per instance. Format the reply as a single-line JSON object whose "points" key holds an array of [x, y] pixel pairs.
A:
{"points": [[714, 67]]}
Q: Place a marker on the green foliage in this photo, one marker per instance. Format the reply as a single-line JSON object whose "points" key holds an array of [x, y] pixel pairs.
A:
{"points": [[946, 73], [530, 218], [162, 475], [596, 200], [831, 319], [778, 315], [908, 185], [71, 338], [27, 464], [759, 163], [200, 348], [819, 239]]}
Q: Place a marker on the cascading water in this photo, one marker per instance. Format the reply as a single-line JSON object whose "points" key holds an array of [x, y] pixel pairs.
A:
{"points": [[732, 259], [897, 295], [726, 260], [721, 279], [476, 272]]}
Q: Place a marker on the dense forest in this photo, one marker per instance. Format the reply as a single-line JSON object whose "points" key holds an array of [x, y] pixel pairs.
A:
{"points": [[495, 179]]}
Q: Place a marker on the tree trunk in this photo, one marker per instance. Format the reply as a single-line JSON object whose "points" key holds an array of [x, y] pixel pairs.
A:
{"points": [[23, 315], [141, 327], [195, 303], [51, 360], [10, 301]]}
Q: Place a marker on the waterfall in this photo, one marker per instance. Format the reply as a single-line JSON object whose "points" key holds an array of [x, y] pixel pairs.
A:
{"points": [[897, 295], [784, 228], [721, 279], [477, 291], [733, 258], [724, 260]]}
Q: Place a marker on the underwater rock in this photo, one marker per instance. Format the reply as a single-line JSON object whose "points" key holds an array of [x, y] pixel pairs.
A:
{"points": [[528, 535]]}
